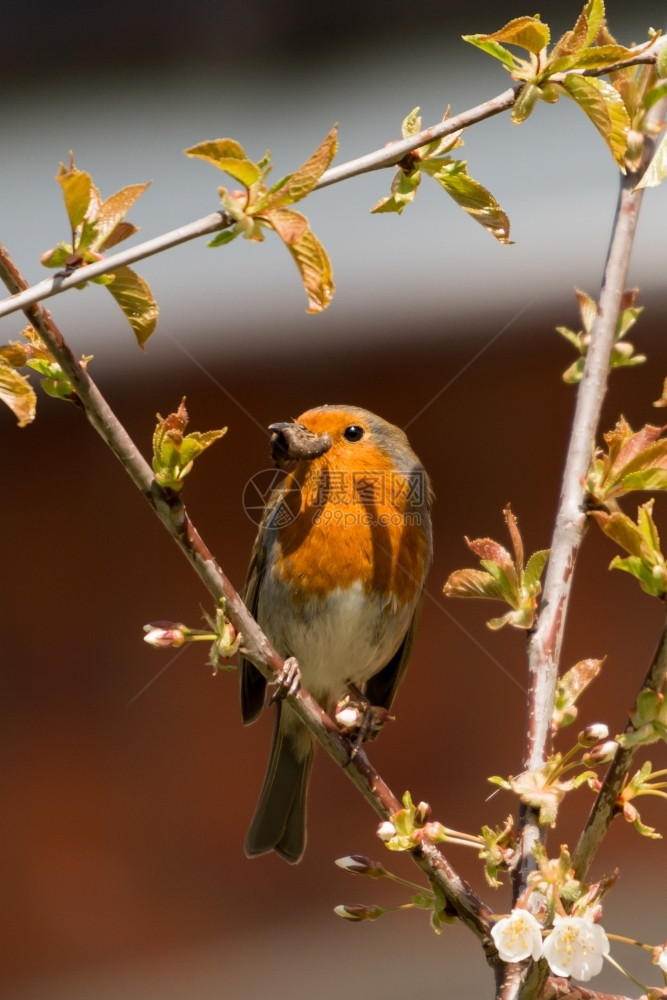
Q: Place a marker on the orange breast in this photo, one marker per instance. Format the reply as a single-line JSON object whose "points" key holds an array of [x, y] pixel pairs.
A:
{"points": [[353, 525]]}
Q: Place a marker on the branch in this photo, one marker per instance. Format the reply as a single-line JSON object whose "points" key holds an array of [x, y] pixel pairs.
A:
{"points": [[70, 279], [604, 807], [388, 156], [544, 643], [173, 515]]}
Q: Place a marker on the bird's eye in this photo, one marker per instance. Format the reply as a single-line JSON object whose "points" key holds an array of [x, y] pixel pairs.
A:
{"points": [[353, 433]]}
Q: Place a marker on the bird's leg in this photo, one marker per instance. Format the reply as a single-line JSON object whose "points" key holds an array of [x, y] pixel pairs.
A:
{"points": [[288, 681]]}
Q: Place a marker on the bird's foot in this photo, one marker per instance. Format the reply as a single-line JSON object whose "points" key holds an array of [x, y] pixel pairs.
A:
{"points": [[288, 681]]}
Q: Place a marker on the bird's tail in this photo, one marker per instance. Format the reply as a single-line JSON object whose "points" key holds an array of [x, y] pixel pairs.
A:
{"points": [[279, 823]]}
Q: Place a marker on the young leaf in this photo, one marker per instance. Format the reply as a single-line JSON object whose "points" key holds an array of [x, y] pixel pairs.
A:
{"points": [[174, 451], [263, 207], [308, 254], [502, 578], [471, 196], [111, 230], [76, 185], [525, 32], [568, 689], [452, 176], [634, 461], [302, 181], [17, 393], [135, 298], [622, 355], [488, 44], [403, 189], [605, 108], [584, 32], [228, 155], [641, 540], [96, 227]]}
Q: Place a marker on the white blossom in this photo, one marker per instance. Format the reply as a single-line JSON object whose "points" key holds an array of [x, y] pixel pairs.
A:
{"points": [[662, 960], [576, 947], [517, 937]]}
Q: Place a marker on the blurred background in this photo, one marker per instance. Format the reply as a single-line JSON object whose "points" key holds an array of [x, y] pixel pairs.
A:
{"points": [[127, 780]]}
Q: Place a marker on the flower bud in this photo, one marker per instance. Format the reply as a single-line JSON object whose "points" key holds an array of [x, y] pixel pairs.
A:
{"points": [[386, 830], [422, 814], [358, 864], [164, 634], [593, 734], [357, 911], [603, 753]]}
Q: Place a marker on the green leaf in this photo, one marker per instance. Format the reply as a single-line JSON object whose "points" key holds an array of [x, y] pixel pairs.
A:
{"points": [[471, 196], [174, 451], [17, 393], [412, 124], [593, 58], [534, 568], [656, 171], [525, 102], [226, 236], [602, 103], [77, 186], [404, 187], [135, 298], [57, 257], [228, 155], [493, 48], [641, 540]]}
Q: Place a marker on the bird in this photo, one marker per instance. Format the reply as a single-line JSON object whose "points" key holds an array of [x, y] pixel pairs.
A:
{"points": [[336, 581]]}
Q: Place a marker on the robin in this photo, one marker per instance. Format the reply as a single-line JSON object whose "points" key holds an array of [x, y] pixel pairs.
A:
{"points": [[335, 581]]}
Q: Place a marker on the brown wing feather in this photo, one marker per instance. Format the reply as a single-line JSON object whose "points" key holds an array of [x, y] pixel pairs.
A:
{"points": [[253, 684], [381, 689]]}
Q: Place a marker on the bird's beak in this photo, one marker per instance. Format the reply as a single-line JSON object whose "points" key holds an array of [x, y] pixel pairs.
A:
{"points": [[291, 442]]}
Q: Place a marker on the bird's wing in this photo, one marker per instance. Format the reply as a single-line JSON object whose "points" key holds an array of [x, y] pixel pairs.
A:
{"points": [[381, 689], [253, 683]]}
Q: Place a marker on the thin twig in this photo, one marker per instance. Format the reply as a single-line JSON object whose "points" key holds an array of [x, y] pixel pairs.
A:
{"points": [[544, 645], [173, 515], [604, 808]]}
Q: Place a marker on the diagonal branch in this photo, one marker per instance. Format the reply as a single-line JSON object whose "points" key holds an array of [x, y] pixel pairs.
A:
{"points": [[173, 515]]}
